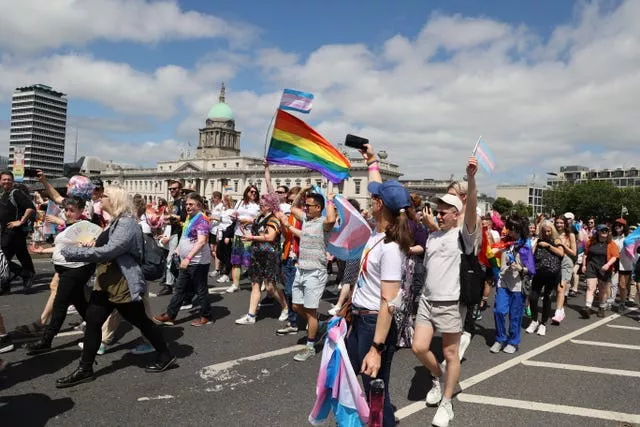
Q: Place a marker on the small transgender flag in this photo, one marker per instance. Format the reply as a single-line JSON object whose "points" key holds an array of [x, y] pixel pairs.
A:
{"points": [[484, 156], [294, 100]]}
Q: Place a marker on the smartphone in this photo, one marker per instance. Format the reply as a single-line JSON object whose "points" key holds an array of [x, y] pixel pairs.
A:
{"points": [[356, 142], [30, 173]]}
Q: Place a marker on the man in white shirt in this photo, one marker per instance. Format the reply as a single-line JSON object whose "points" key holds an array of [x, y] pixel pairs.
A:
{"points": [[216, 216], [439, 302]]}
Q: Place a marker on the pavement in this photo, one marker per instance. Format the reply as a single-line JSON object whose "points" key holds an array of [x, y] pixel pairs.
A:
{"points": [[582, 373]]}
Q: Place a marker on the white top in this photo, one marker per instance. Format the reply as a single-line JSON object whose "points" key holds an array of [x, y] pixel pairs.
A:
{"points": [[247, 211], [225, 221], [62, 241], [442, 261], [383, 262], [216, 213], [495, 236], [146, 228]]}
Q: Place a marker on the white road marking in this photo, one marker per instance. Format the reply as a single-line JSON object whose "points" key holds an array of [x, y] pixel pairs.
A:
{"points": [[465, 384], [607, 344], [209, 372], [161, 397], [547, 407], [631, 328], [582, 368]]}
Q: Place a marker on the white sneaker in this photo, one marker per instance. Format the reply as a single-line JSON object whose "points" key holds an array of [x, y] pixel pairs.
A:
{"points": [[186, 307], [246, 320], [444, 415], [223, 279], [465, 340], [231, 289], [214, 273], [284, 315], [532, 327], [333, 311], [542, 330], [435, 394], [72, 309], [496, 347]]}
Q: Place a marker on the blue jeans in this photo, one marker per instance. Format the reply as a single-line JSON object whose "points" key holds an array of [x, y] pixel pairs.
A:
{"points": [[358, 345], [289, 274], [511, 303], [190, 281]]}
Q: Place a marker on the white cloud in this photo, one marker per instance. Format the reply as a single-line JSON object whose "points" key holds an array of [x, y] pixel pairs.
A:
{"points": [[38, 24]]}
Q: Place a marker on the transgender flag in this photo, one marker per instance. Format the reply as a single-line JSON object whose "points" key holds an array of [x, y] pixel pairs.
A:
{"points": [[294, 100], [484, 156], [351, 232], [631, 243]]}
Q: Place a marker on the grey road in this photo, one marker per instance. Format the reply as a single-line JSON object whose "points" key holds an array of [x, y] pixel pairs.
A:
{"points": [[583, 373]]}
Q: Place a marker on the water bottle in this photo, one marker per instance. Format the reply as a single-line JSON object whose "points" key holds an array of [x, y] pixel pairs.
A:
{"points": [[376, 403]]}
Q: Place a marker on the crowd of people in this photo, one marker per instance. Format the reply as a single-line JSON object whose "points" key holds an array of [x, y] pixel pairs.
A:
{"points": [[427, 268]]}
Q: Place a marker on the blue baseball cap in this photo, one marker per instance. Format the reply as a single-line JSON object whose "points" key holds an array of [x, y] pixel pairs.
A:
{"points": [[393, 194]]}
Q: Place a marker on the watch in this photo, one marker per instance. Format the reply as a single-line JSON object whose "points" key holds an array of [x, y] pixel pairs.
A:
{"points": [[379, 347]]}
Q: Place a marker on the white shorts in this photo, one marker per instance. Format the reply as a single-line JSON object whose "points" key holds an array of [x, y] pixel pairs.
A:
{"points": [[308, 287]]}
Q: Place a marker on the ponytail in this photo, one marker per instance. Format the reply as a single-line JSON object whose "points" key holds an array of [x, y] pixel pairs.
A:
{"points": [[398, 230]]}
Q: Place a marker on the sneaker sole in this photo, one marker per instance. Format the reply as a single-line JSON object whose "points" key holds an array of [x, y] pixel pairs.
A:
{"points": [[86, 380], [201, 324], [158, 322], [281, 334]]}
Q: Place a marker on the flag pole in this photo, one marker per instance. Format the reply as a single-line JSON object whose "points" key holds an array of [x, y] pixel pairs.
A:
{"points": [[475, 147], [266, 136]]}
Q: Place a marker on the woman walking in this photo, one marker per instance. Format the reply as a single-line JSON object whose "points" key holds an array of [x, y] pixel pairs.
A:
{"points": [[246, 211], [568, 243], [265, 258], [548, 253], [119, 285], [195, 259], [623, 279], [598, 262]]}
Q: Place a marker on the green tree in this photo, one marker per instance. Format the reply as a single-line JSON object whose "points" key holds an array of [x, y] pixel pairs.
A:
{"points": [[502, 205], [522, 209]]}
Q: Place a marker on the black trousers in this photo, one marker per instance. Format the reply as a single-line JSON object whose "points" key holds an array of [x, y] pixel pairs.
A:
{"points": [[133, 312], [542, 283], [14, 243], [223, 253], [70, 291]]}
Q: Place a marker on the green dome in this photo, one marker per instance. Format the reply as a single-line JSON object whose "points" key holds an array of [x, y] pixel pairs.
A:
{"points": [[220, 111]]}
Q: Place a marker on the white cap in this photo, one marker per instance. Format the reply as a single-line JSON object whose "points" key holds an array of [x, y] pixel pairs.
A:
{"points": [[450, 199], [569, 215]]}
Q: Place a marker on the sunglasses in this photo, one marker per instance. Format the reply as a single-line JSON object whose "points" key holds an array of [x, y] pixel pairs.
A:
{"points": [[252, 191], [281, 192], [442, 213], [306, 205]]}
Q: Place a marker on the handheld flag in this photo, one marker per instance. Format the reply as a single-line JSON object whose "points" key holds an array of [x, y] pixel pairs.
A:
{"points": [[294, 100], [351, 232], [631, 243], [293, 142], [484, 156]]}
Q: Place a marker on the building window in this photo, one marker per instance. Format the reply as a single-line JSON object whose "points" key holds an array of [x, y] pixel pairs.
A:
{"points": [[298, 182], [224, 165], [160, 167], [319, 183], [237, 164], [277, 183], [213, 165], [357, 182], [235, 185], [287, 182]]}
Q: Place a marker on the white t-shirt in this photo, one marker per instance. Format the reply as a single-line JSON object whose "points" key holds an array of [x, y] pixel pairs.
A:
{"points": [[384, 261], [285, 208], [248, 211], [146, 228], [442, 261], [216, 213]]}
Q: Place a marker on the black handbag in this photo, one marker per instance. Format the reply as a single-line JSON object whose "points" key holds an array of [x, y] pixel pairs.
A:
{"points": [[175, 264]]}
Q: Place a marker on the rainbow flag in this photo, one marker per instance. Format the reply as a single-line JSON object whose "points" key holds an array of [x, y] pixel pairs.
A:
{"points": [[293, 142], [350, 233]]}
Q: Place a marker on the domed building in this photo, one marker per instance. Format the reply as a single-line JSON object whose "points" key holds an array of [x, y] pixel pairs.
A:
{"points": [[217, 165]]}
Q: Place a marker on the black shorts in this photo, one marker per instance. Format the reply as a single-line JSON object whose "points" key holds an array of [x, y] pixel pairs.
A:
{"points": [[213, 240], [593, 272]]}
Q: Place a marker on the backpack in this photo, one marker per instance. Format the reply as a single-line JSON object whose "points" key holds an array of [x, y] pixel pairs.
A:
{"points": [[472, 275], [28, 226], [546, 261], [154, 258]]}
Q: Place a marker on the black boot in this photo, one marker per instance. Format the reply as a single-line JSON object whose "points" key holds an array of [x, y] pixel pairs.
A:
{"points": [[162, 363], [27, 281], [43, 345], [79, 376], [166, 290]]}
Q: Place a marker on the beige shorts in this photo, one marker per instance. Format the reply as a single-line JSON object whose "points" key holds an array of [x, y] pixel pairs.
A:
{"points": [[441, 316]]}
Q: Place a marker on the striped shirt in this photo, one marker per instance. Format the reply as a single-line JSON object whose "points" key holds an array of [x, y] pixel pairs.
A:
{"points": [[313, 245]]}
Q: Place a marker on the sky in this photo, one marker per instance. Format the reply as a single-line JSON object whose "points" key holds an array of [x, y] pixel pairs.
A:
{"points": [[546, 83]]}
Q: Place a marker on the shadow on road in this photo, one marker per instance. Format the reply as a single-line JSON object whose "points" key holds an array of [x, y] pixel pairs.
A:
{"points": [[34, 367], [32, 409]]}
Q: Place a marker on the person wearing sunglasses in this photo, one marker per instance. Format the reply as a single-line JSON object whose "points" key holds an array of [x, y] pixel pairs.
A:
{"points": [[311, 274], [177, 216], [598, 263]]}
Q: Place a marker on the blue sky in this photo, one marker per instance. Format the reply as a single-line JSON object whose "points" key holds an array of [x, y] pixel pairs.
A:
{"points": [[408, 74]]}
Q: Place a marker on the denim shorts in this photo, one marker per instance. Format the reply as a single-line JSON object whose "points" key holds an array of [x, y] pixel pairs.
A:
{"points": [[308, 287]]}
